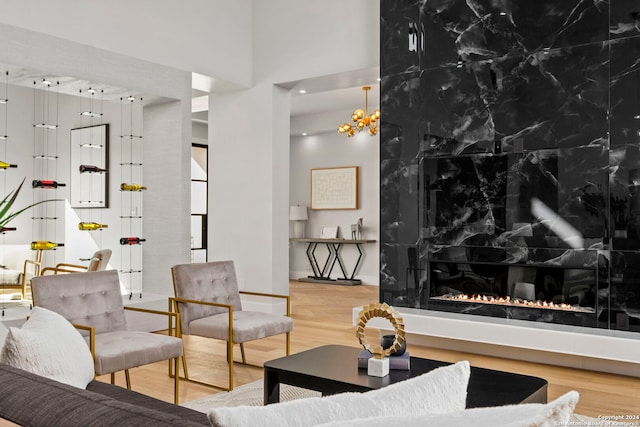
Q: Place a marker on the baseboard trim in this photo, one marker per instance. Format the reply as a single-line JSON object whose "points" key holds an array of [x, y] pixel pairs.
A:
{"points": [[366, 280]]}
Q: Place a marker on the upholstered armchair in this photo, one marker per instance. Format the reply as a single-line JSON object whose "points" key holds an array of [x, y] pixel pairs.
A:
{"points": [[207, 300], [92, 302], [98, 262], [31, 268]]}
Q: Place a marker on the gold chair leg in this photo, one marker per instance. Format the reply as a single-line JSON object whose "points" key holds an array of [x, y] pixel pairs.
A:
{"points": [[230, 361], [244, 359], [128, 378], [288, 343], [184, 366], [176, 384], [113, 377]]}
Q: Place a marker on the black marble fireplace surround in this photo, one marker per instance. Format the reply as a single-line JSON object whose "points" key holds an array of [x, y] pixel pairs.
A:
{"points": [[510, 158]]}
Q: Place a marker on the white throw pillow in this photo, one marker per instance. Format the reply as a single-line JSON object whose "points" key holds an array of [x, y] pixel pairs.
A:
{"points": [[3, 333], [553, 414], [440, 391], [48, 345]]}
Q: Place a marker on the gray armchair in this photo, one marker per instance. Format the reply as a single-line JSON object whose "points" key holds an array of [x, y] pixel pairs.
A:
{"points": [[92, 301], [208, 304]]}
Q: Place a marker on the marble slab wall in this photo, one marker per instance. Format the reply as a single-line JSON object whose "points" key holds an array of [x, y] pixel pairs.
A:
{"points": [[510, 137]]}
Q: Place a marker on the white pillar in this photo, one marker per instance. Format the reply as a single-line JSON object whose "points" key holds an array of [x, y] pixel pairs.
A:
{"points": [[249, 185]]}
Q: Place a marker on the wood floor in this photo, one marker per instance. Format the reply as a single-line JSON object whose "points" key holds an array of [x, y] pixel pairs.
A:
{"points": [[322, 315]]}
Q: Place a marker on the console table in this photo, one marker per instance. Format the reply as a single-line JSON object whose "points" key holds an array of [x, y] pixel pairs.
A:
{"points": [[334, 246]]}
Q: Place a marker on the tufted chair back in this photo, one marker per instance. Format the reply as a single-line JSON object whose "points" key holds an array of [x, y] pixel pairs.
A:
{"points": [[208, 281], [99, 260], [90, 299]]}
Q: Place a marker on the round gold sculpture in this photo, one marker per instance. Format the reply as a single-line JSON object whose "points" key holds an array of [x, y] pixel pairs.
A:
{"points": [[385, 311]]}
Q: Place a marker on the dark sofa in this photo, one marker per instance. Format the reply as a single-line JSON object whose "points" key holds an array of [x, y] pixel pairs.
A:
{"points": [[31, 400]]}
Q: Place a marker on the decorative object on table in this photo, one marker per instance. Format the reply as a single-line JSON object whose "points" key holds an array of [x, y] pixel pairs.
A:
{"points": [[387, 341], [329, 232], [378, 365], [356, 230], [362, 119], [399, 363], [334, 188], [298, 214]]}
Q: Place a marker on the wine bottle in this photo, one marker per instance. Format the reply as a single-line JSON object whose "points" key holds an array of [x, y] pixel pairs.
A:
{"points": [[91, 226], [4, 165], [46, 183], [131, 187], [131, 240], [91, 169], [44, 245]]}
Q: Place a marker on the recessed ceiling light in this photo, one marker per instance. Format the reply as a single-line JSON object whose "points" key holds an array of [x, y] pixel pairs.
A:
{"points": [[637, 117], [302, 91], [304, 134], [503, 13]]}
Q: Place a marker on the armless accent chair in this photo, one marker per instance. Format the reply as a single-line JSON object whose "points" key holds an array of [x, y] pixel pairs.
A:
{"points": [[92, 301], [208, 304]]}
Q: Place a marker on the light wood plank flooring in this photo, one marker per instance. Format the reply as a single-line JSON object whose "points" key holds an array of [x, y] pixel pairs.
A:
{"points": [[322, 315]]}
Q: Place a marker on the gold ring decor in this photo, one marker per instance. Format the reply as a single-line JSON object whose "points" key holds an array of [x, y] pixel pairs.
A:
{"points": [[385, 311]]}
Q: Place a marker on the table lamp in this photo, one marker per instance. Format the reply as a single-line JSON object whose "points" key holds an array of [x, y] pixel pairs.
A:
{"points": [[299, 215]]}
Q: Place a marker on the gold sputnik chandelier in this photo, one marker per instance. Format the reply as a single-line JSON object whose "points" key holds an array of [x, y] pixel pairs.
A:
{"points": [[362, 119]]}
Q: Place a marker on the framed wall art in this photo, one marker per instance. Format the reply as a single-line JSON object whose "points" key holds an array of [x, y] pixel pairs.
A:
{"points": [[89, 167], [334, 188]]}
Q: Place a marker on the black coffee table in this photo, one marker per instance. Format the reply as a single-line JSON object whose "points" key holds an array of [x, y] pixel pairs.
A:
{"points": [[332, 369]]}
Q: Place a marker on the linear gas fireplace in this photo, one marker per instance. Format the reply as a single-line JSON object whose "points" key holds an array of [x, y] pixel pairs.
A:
{"points": [[529, 292]]}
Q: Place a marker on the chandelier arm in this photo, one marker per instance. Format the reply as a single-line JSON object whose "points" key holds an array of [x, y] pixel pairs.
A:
{"points": [[366, 102]]}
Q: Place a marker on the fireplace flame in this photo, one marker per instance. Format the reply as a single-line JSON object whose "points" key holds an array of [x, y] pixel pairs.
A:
{"points": [[515, 302]]}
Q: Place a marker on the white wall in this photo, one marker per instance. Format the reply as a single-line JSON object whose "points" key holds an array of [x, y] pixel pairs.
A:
{"points": [[248, 185], [333, 150], [295, 39], [199, 132], [35, 51], [20, 151], [249, 129], [210, 37]]}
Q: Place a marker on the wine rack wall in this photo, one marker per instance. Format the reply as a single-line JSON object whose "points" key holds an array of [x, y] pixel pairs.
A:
{"points": [[131, 195], [46, 230]]}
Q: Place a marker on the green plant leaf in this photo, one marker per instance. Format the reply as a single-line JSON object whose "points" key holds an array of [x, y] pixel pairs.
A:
{"points": [[7, 202]]}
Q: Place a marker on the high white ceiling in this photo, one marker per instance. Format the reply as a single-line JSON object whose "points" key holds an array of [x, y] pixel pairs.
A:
{"points": [[20, 76], [334, 100], [338, 93]]}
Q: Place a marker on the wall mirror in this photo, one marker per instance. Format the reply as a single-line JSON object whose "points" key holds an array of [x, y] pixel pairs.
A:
{"points": [[89, 167]]}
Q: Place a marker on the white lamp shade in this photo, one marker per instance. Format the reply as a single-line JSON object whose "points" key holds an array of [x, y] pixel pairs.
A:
{"points": [[298, 213]]}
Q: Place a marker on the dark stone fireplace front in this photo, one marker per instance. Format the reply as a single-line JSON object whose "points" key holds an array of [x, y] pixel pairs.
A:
{"points": [[510, 160]]}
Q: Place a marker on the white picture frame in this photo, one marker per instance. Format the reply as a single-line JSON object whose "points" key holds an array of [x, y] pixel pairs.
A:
{"points": [[334, 188], [329, 232]]}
